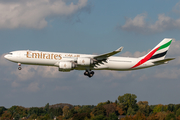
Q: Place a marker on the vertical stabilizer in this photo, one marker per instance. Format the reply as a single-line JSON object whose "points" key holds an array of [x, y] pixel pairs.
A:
{"points": [[157, 53]]}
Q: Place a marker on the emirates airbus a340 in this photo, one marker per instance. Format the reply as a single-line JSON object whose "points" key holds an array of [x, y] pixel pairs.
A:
{"points": [[71, 61]]}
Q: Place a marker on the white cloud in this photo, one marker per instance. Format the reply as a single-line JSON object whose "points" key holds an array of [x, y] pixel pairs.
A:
{"points": [[165, 23], [30, 71], [136, 54], [33, 13], [33, 87], [139, 24], [174, 48], [49, 72], [171, 73], [62, 88], [3, 61], [143, 77], [26, 73], [176, 8], [111, 75], [15, 84]]}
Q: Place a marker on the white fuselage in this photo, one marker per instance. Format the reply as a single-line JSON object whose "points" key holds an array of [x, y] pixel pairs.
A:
{"points": [[70, 61], [54, 58]]}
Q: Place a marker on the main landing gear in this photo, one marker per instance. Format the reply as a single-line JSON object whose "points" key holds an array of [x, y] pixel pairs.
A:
{"points": [[89, 73], [19, 68]]}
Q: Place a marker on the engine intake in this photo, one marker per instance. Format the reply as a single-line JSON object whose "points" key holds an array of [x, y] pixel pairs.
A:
{"points": [[66, 66], [85, 61]]}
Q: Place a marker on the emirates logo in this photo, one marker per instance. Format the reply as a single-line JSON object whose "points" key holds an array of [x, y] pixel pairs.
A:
{"points": [[83, 61], [64, 65]]}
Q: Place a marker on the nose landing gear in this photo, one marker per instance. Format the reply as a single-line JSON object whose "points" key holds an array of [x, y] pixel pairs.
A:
{"points": [[89, 73], [19, 68]]}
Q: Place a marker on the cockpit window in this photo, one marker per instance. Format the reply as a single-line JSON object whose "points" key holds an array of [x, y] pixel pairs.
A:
{"points": [[10, 53]]}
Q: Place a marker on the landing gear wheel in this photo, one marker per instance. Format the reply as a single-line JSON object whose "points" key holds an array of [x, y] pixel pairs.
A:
{"points": [[92, 72], [89, 73], [19, 68], [85, 73]]}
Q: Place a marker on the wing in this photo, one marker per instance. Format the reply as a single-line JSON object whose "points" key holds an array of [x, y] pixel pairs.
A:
{"points": [[106, 55], [103, 57]]}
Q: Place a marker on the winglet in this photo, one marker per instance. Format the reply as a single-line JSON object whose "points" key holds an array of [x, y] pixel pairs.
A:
{"points": [[119, 49]]}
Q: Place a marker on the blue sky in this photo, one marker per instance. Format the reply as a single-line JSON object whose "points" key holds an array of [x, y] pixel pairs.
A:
{"points": [[92, 27]]}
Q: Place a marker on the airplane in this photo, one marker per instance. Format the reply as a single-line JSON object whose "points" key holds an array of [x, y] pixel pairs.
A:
{"points": [[71, 61]]}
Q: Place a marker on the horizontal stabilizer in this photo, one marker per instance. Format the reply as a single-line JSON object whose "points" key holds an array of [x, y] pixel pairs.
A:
{"points": [[163, 61]]}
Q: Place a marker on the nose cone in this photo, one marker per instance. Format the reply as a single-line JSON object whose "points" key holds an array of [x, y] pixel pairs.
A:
{"points": [[6, 56]]}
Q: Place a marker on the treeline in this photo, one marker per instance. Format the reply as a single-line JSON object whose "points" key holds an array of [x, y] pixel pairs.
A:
{"points": [[125, 107]]}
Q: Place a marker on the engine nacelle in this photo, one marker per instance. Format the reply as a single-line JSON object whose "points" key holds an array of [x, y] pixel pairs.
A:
{"points": [[66, 66], [84, 61]]}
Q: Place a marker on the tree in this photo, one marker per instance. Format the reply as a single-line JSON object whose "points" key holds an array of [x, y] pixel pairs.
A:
{"points": [[171, 107], [51, 116], [112, 116], [46, 108], [66, 112], [99, 110], [128, 100], [76, 108], [6, 116], [101, 103], [130, 111], [17, 117], [157, 108], [84, 109], [170, 116], [110, 108], [119, 110], [139, 116], [144, 107], [178, 112], [127, 118], [152, 116], [71, 113], [46, 117], [80, 116], [37, 111], [99, 117], [2, 109], [56, 111], [108, 102], [177, 107], [116, 102], [21, 111], [33, 116], [161, 115]]}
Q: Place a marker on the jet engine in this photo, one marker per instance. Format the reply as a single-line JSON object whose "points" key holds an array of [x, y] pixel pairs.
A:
{"points": [[66, 66], [84, 61]]}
